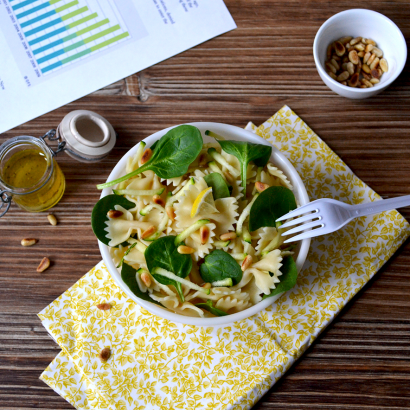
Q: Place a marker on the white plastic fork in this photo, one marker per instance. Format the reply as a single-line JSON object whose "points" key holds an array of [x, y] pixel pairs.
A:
{"points": [[326, 215]]}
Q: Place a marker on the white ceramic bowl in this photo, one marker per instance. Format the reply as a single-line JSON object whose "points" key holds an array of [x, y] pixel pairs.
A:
{"points": [[368, 24], [234, 133]]}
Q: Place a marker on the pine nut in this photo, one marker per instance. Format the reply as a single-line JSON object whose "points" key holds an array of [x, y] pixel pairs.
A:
{"points": [[146, 278], [52, 219], [246, 263], [375, 63], [204, 234], [369, 41], [367, 83], [345, 40], [105, 354], [334, 63], [355, 41], [344, 83], [354, 80], [104, 306], [330, 67], [148, 232], [203, 159], [366, 76], [334, 76], [44, 264], [170, 212], [260, 186], [146, 156], [344, 76], [228, 236], [114, 214], [369, 48], [375, 73], [350, 68], [336, 57], [366, 68], [158, 200], [329, 51], [360, 54], [371, 58], [339, 48], [375, 81], [360, 47], [28, 241], [359, 66], [383, 65], [378, 52], [362, 86], [185, 250], [353, 57], [344, 66], [366, 57]]}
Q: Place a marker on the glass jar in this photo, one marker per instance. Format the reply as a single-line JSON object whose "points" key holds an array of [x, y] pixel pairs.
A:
{"points": [[29, 174]]}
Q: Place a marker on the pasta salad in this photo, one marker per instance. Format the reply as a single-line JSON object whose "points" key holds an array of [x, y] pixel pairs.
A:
{"points": [[192, 225]]}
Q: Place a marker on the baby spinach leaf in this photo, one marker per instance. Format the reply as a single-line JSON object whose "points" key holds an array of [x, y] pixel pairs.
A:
{"points": [[220, 188], [287, 279], [99, 214], [219, 265], [163, 253], [246, 152], [210, 308], [128, 276], [172, 154], [270, 205]]}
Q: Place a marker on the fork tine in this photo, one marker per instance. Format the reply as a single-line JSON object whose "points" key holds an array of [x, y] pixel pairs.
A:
{"points": [[302, 227], [304, 235], [298, 211], [299, 220]]}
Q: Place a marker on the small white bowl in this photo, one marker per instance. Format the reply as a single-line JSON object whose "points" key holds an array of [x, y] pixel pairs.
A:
{"points": [[234, 133], [367, 24]]}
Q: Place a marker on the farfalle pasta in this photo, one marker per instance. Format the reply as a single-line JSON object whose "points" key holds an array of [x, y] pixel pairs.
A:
{"points": [[195, 226]]}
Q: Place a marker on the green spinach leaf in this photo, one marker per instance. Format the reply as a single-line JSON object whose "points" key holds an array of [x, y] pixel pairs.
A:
{"points": [[246, 152], [270, 205], [171, 156], [99, 214], [220, 265], [220, 188], [287, 279], [128, 276], [163, 253], [210, 308]]}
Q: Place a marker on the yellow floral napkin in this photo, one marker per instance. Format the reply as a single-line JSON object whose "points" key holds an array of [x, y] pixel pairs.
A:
{"points": [[158, 364]]}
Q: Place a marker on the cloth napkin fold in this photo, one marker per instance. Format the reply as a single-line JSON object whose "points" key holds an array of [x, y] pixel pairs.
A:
{"points": [[158, 364]]}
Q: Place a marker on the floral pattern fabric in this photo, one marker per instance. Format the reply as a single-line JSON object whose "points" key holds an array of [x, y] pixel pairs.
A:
{"points": [[158, 364]]}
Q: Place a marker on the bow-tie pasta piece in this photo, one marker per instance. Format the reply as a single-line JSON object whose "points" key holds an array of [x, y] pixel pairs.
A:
{"points": [[261, 270], [120, 229]]}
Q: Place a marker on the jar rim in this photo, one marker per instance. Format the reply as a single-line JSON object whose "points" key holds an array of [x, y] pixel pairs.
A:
{"points": [[39, 143]]}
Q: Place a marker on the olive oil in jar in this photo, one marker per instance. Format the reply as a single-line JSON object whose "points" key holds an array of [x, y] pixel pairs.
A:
{"points": [[34, 177]]}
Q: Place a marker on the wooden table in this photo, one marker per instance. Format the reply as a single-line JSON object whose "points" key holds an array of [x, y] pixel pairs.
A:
{"points": [[363, 359]]}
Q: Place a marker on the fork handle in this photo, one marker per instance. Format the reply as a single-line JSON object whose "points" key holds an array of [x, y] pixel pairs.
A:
{"points": [[379, 206]]}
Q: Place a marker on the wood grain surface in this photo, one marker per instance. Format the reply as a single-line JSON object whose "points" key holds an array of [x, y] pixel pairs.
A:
{"points": [[361, 361]]}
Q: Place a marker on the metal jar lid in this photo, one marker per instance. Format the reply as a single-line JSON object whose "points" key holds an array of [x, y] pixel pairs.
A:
{"points": [[89, 137]]}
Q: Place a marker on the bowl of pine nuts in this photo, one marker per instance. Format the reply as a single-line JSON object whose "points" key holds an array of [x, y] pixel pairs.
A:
{"points": [[359, 53]]}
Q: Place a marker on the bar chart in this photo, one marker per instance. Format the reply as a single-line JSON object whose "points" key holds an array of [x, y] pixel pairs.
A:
{"points": [[60, 32]]}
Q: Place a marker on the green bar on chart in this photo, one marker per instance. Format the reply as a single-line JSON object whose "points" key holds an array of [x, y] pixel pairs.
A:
{"points": [[66, 6], [74, 13], [110, 41], [83, 20]]}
